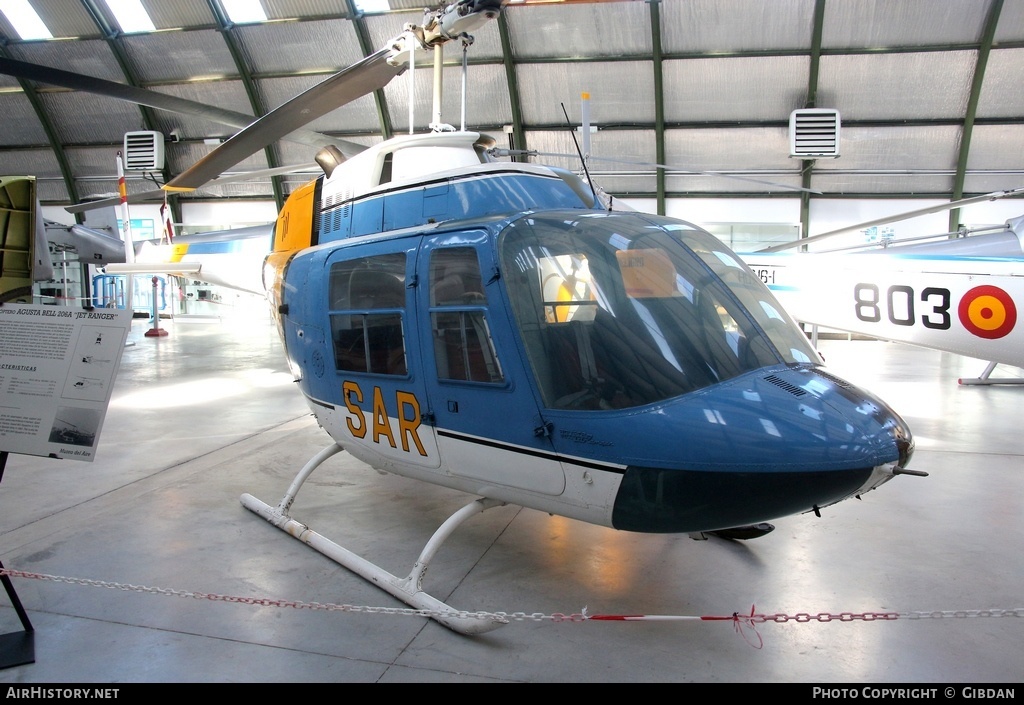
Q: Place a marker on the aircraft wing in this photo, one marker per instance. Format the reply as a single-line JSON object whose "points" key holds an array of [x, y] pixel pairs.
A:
{"points": [[175, 269], [209, 272], [228, 258]]}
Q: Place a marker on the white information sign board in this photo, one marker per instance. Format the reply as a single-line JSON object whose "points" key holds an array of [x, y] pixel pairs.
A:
{"points": [[57, 370]]}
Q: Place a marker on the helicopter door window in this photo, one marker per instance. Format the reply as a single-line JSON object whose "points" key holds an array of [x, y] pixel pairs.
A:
{"points": [[570, 308], [463, 347], [367, 303]]}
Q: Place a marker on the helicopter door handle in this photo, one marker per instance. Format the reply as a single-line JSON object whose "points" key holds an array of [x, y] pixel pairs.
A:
{"points": [[544, 431]]}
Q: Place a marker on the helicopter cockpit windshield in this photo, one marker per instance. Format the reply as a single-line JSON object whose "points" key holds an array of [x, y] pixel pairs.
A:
{"points": [[618, 311]]}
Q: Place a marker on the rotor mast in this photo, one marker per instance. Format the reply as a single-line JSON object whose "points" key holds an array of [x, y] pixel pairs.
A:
{"points": [[365, 76], [440, 27]]}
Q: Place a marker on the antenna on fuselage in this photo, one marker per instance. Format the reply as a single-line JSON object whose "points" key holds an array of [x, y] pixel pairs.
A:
{"points": [[583, 159]]}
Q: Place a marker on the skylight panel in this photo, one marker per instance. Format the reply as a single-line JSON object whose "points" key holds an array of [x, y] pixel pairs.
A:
{"points": [[242, 11], [372, 5], [131, 16], [24, 19]]}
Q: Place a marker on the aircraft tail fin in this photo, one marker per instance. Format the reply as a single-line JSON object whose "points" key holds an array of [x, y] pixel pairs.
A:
{"points": [[103, 219], [26, 256]]}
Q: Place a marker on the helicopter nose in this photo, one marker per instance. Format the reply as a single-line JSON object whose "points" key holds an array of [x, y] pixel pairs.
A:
{"points": [[892, 430], [811, 441], [881, 433], [905, 447], [891, 427]]}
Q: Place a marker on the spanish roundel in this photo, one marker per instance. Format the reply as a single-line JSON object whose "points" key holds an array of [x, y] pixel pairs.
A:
{"points": [[987, 312]]}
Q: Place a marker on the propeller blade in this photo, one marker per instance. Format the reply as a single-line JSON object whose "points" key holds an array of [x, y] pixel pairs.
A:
{"points": [[995, 195], [372, 73], [154, 99]]}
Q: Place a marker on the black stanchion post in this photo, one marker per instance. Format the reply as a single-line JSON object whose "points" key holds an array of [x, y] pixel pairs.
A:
{"points": [[16, 648]]}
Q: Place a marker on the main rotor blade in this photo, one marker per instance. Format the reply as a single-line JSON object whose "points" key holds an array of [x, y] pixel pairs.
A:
{"points": [[678, 170], [121, 91], [667, 167], [372, 73], [154, 99], [907, 215], [143, 197], [160, 194]]}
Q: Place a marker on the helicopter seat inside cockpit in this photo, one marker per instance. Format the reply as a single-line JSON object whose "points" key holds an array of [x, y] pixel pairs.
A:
{"points": [[462, 344], [371, 337], [456, 286], [372, 289]]}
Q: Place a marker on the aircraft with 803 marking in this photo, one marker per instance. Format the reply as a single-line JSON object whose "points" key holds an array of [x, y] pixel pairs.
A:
{"points": [[494, 328], [956, 295]]}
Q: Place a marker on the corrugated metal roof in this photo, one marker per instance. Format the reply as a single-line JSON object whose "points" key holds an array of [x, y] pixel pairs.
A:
{"points": [[64, 19], [906, 78], [292, 47]]}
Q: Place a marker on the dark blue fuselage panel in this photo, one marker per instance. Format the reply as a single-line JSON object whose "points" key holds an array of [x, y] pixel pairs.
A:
{"points": [[456, 198]]}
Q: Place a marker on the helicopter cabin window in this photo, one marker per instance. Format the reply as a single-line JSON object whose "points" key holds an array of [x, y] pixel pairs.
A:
{"points": [[367, 302], [618, 311], [463, 348], [385, 170]]}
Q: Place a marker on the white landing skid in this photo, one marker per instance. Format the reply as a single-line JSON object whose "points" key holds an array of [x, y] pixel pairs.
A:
{"points": [[409, 589], [986, 378]]}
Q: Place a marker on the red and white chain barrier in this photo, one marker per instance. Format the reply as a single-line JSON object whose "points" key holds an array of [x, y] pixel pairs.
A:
{"points": [[745, 624]]}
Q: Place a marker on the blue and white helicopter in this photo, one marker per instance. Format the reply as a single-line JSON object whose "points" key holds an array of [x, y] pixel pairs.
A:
{"points": [[495, 328]]}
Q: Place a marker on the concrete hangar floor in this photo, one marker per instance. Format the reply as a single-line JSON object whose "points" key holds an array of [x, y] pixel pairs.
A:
{"points": [[208, 412]]}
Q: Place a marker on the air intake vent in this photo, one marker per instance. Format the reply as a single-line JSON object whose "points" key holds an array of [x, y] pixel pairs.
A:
{"points": [[839, 382], [783, 384], [143, 151], [814, 132]]}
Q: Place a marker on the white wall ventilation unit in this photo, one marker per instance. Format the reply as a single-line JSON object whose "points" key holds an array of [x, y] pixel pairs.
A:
{"points": [[143, 151], [814, 132]]}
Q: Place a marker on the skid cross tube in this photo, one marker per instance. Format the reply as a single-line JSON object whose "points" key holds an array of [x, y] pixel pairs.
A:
{"points": [[986, 378], [409, 589]]}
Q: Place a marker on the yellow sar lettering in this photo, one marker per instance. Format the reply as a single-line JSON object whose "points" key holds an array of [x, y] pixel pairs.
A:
{"points": [[407, 411]]}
